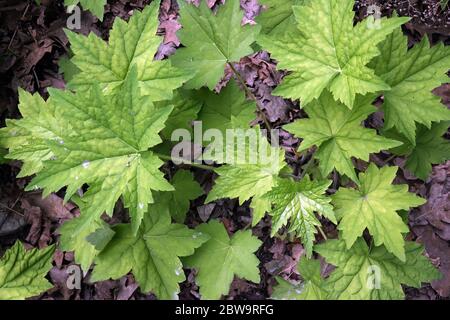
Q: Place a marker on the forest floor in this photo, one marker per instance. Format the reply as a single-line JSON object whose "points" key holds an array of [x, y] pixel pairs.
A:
{"points": [[32, 42]]}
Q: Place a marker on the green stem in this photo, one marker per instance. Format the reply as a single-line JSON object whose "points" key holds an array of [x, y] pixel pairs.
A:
{"points": [[322, 233]]}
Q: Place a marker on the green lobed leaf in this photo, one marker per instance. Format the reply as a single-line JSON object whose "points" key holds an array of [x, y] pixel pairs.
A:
{"points": [[101, 141], [22, 272], [374, 205], [373, 274], [211, 41], [152, 255], [222, 257], [430, 148], [337, 133], [412, 75], [134, 43], [298, 202], [328, 52]]}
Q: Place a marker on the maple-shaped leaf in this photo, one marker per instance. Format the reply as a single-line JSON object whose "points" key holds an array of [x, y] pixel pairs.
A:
{"points": [[327, 52], [101, 141], [227, 110], [152, 255], [337, 133], [412, 75], [95, 6], [133, 43], [211, 41], [373, 274], [297, 203], [374, 205], [277, 17], [430, 148], [177, 202], [22, 272], [311, 288], [253, 171], [222, 257]]}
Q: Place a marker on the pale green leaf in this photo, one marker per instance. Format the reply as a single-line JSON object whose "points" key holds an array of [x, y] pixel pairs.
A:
{"points": [[296, 204], [337, 133], [328, 52], [374, 205], [101, 141], [22, 272], [134, 43], [253, 171], [219, 259], [152, 255], [373, 274], [26, 138]]}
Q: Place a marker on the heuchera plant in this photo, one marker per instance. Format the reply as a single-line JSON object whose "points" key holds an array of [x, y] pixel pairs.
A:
{"points": [[108, 134]]}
